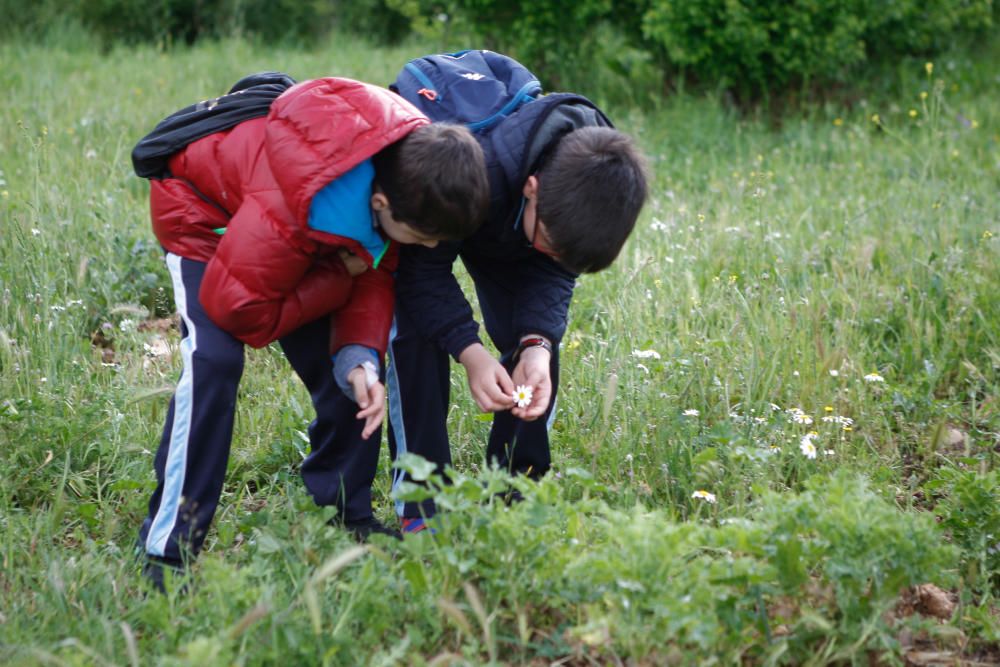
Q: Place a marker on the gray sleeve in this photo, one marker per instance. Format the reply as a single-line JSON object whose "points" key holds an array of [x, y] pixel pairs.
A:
{"points": [[347, 359]]}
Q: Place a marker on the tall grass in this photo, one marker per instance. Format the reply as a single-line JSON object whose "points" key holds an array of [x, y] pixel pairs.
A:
{"points": [[776, 268]]}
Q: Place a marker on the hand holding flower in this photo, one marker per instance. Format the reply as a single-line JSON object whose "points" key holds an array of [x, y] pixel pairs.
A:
{"points": [[532, 372]]}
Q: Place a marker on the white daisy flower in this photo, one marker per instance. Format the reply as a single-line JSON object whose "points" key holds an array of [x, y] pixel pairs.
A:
{"points": [[522, 395], [807, 446], [701, 494], [800, 417], [645, 354], [874, 377], [691, 413]]}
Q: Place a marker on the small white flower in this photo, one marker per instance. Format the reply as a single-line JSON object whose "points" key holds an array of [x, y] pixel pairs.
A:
{"points": [[645, 354], [834, 373], [701, 494], [159, 348], [127, 325], [35, 232], [807, 446], [522, 395], [628, 458], [874, 377], [775, 407], [799, 417], [691, 413], [828, 452], [795, 373], [837, 419]]}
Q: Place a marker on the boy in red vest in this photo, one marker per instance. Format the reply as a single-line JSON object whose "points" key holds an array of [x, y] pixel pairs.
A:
{"points": [[280, 228]]}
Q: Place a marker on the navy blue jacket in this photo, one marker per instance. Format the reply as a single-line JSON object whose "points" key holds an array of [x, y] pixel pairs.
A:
{"points": [[426, 287]]}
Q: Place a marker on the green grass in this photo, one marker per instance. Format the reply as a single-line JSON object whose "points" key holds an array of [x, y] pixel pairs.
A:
{"points": [[774, 268]]}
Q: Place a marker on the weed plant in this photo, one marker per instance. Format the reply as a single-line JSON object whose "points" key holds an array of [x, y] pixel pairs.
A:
{"points": [[791, 370]]}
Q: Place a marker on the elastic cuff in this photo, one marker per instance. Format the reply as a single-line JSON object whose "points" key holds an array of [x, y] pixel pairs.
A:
{"points": [[457, 347], [346, 360]]}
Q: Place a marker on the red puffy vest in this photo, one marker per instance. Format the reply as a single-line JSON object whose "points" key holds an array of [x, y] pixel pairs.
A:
{"points": [[269, 273]]}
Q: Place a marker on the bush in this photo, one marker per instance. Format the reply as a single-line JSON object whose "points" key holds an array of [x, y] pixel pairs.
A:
{"points": [[826, 564], [753, 47], [188, 20], [749, 48], [970, 511]]}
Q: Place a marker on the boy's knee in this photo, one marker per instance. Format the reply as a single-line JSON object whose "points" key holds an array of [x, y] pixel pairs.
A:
{"points": [[225, 363]]}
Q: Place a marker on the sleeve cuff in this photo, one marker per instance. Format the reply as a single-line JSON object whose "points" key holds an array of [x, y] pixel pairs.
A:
{"points": [[347, 359], [455, 345]]}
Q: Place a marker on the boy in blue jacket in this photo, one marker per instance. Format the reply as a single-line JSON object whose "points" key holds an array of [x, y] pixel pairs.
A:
{"points": [[565, 191]]}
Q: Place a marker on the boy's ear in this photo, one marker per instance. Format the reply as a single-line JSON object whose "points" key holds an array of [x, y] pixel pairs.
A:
{"points": [[531, 187], [379, 201]]}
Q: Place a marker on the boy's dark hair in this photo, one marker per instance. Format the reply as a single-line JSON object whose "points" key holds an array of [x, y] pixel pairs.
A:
{"points": [[590, 192], [435, 180]]}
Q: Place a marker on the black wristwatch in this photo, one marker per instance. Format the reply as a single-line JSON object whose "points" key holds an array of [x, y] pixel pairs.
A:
{"points": [[531, 341]]}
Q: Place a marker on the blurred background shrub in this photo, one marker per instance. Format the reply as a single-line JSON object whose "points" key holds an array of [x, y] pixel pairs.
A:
{"points": [[752, 49]]}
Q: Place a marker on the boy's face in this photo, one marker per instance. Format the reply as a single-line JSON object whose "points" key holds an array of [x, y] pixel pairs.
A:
{"points": [[400, 232]]}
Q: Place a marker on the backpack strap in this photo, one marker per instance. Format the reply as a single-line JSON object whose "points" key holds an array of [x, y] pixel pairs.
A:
{"points": [[250, 97]]}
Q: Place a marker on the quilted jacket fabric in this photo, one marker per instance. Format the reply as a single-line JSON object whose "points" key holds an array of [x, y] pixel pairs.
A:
{"points": [[541, 288], [269, 272]]}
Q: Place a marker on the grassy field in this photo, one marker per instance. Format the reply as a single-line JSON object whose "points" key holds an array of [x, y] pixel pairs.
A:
{"points": [[779, 413]]}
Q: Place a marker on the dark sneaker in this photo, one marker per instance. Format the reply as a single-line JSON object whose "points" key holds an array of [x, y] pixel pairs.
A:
{"points": [[362, 529], [155, 571]]}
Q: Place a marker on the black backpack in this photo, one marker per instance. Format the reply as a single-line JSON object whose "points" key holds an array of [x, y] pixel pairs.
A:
{"points": [[250, 97]]}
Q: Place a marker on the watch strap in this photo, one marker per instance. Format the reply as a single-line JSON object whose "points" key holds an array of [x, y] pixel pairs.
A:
{"points": [[531, 341]]}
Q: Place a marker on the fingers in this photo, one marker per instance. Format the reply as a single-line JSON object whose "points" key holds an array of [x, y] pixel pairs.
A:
{"points": [[541, 395], [359, 385], [539, 404], [490, 398], [354, 264], [494, 393], [374, 412], [506, 384]]}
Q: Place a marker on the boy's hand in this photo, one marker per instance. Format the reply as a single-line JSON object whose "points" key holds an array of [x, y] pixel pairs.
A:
{"points": [[355, 265], [489, 383], [533, 370], [371, 400]]}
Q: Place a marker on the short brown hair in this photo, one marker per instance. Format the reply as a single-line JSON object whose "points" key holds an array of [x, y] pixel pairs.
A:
{"points": [[590, 192], [435, 180]]}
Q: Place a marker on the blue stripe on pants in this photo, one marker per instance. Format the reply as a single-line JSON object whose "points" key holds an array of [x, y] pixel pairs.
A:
{"points": [[194, 449], [174, 473]]}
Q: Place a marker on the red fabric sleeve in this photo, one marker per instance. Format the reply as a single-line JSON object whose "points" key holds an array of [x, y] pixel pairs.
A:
{"points": [[259, 287], [367, 316]]}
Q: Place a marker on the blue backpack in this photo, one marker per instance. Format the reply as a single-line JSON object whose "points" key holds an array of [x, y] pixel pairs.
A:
{"points": [[478, 88]]}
